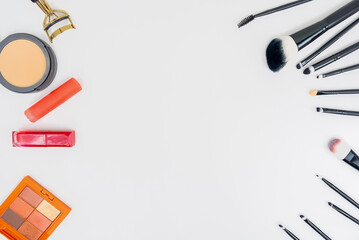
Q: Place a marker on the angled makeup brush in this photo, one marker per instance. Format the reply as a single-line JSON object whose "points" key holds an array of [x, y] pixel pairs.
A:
{"points": [[333, 92], [344, 213], [343, 152], [340, 192], [250, 18], [282, 49], [332, 58], [315, 228], [339, 71], [290, 234], [327, 44], [337, 111]]}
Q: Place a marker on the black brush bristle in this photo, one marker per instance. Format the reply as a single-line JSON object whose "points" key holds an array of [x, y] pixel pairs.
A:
{"points": [[275, 56], [246, 21], [307, 71]]}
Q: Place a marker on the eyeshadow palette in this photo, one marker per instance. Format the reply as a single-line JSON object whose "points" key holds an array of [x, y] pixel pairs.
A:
{"points": [[31, 212]]}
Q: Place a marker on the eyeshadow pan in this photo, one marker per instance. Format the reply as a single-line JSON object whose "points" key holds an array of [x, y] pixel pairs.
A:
{"points": [[12, 218], [21, 208], [30, 231], [31, 197], [48, 210], [39, 221]]}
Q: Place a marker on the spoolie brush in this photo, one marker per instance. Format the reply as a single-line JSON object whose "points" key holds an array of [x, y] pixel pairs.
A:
{"points": [[250, 18], [282, 49]]}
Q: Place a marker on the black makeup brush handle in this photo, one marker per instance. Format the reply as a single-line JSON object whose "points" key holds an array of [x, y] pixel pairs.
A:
{"points": [[309, 34], [340, 112], [291, 234], [336, 72], [330, 42], [283, 7], [336, 56], [344, 213], [341, 193], [334, 92]]}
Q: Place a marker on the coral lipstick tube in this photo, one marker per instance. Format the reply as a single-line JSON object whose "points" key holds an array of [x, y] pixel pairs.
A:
{"points": [[53, 100]]}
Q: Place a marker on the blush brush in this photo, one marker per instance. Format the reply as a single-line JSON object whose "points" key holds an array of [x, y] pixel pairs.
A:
{"points": [[280, 50], [250, 18]]}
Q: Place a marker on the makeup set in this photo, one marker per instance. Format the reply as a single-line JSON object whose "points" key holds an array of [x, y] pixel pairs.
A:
{"points": [[282, 49], [28, 65]]}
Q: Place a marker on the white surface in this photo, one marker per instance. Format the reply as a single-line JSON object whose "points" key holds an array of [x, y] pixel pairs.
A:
{"points": [[182, 131]]}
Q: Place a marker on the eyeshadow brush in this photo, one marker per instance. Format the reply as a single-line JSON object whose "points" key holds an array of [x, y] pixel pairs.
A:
{"points": [[333, 58], [327, 44], [339, 71], [250, 18], [281, 49], [340, 192], [333, 92], [345, 214], [338, 111], [290, 234], [315, 228]]}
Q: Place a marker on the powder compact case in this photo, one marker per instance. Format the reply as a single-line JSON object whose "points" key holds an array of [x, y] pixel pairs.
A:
{"points": [[27, 64]]}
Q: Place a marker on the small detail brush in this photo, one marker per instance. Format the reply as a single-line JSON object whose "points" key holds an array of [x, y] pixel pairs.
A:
{"points": [[337, 111], [315, 228], [327, 44], [333, 58], [339, 71], [290, 234], [343, 152], [340, 192], [280, 50], [344, 213], [250, 18], [333, 92]]}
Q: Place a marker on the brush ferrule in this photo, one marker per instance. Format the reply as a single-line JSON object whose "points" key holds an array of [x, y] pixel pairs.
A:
{"points": [[309, 34], [352, 159]]}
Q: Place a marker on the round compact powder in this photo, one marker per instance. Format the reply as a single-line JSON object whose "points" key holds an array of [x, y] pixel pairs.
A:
{"points": [[27, 64], [22, 63]]}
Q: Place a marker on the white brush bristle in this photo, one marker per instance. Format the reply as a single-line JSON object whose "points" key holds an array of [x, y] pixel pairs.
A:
{"points": [[320, 76], [290, 48], [279, 51], [339, 148]]}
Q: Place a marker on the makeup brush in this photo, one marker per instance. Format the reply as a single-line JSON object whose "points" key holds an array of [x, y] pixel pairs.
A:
{"points": [[345, 214], [250, 18], [338, 111], [343, 152], [339, 71], [282, 49], [340, 192], [289, 232], [332, 58], [327, 44], [315, 228], [333, 92]]}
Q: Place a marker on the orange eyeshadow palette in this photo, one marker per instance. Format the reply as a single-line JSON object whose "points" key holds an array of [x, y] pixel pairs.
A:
{"points": [[31, 212]]}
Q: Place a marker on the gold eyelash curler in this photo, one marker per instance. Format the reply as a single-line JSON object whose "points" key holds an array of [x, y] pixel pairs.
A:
{"points": [[53, 17]]}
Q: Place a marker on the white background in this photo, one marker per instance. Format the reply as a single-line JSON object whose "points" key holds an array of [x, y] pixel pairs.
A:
{"points": [[182, 131]]}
